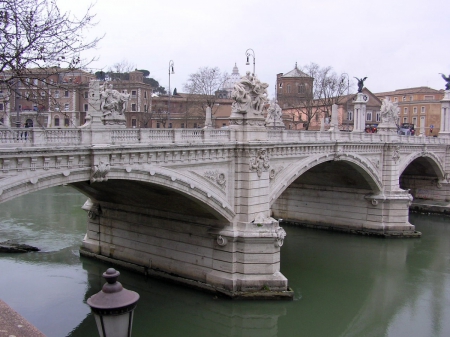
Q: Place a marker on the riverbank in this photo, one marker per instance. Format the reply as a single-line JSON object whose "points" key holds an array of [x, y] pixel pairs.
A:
{"points": [[13, 324]]}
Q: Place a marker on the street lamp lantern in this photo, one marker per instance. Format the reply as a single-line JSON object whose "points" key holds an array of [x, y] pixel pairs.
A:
{"points": [[113, 307], [250, 52]]}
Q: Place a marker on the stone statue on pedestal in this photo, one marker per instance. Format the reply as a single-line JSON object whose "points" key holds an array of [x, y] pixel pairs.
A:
{"points": [[113, 105], [389, 111], [250, 96], [274, 116]]}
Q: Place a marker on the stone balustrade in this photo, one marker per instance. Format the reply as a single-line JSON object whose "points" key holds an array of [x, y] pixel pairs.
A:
{"points": [[75, 136]]}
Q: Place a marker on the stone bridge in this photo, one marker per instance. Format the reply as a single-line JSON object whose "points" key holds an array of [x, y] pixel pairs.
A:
{"points": [[202, 206]]}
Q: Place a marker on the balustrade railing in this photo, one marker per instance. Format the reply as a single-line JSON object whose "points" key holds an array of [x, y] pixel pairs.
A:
{"points": [[77, 136]]}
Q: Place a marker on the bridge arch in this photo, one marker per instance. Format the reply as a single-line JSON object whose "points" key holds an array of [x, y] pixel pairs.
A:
{"points": [[429, 164], [170, 181], [366, 170]]}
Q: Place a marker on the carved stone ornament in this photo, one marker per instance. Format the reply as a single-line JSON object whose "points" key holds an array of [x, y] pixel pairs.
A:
{"points": [[113, 105], [396, 154], [221, 241], [281, 234], [216, 177], [249, 95], [99, 172], [260, 162]]}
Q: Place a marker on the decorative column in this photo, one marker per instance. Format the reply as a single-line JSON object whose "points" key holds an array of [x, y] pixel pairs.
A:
{"points": [[445, 115], [359, 103]]}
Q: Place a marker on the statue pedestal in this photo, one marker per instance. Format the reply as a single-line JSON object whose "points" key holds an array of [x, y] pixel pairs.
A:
{"points": [[248, 129], [444, 131], [359, 103]]}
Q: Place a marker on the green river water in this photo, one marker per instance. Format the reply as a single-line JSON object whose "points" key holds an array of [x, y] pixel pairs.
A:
{"points": [[345, 285]]}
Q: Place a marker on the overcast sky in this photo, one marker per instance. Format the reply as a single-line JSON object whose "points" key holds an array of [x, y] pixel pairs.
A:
{"points": [[395, 43]]}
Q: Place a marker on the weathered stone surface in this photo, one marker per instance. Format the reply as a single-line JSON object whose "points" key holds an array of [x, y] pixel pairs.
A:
{"points": [[14, 247]]}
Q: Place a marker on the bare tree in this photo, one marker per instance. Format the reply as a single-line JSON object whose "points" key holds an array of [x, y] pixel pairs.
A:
{"points": [[38, 43], [202, 86], [327, 89]]}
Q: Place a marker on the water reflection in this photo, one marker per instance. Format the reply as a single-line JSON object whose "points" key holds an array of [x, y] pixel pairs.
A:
{"points": [[344, 285]]}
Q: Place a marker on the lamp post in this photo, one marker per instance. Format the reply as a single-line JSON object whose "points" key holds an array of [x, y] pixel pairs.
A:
{"points": [[346, 103], [250, 52], [113, 307], [171, 71]]}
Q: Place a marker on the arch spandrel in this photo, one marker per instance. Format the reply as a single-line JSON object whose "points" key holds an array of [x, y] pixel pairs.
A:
{"points": [[292, 172]]}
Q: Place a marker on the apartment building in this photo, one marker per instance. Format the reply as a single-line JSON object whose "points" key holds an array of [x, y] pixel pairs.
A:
{"points": [[420, 106], [59, 98]]}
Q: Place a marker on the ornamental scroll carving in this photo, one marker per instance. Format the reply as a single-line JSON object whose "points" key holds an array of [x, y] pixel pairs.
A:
{"points": [[260, 162], [100, 172], [216, 177]]}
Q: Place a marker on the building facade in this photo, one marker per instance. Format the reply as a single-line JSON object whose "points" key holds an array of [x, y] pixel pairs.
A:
{"points": [[59, 99], [292, 87], [420, 106]]}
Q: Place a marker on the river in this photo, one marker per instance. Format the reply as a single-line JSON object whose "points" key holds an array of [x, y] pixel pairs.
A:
{"points": [[345, 285]]}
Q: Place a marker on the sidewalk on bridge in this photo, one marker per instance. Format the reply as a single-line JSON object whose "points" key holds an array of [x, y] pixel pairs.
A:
{"points": [[432, 206], [12, 324]]}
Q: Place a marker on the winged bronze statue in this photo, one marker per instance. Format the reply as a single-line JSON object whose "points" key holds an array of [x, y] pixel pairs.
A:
{"points": [[360, 83], [447, 79]]}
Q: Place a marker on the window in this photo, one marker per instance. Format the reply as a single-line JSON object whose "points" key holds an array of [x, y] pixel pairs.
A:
{"points": [[133, 93], [288, 89], [405, 119], [415, 110], [422, 120], [145, 94], [133, 107], [414, 120], [195, 125], [378, 116], [158, 125], [133, 122], [182, 125], [56, 121], [86, 107], [145, 108], [404, 98], [422, 109], [35, 81], [428, 97], [301, 88], [170, 125], [410, 98], [349, 115], [66, 122], [86, 94], [66, 107], [395, 99], [369, 115], [56, 93], [66, 93], [1, 106], [405, 111]]}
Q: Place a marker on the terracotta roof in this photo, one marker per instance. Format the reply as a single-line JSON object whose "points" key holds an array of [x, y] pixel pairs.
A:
{"points": [[295, 73], [422, 90]]}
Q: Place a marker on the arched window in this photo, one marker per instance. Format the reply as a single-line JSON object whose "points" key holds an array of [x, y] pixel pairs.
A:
{"points": [[56, 121]]}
